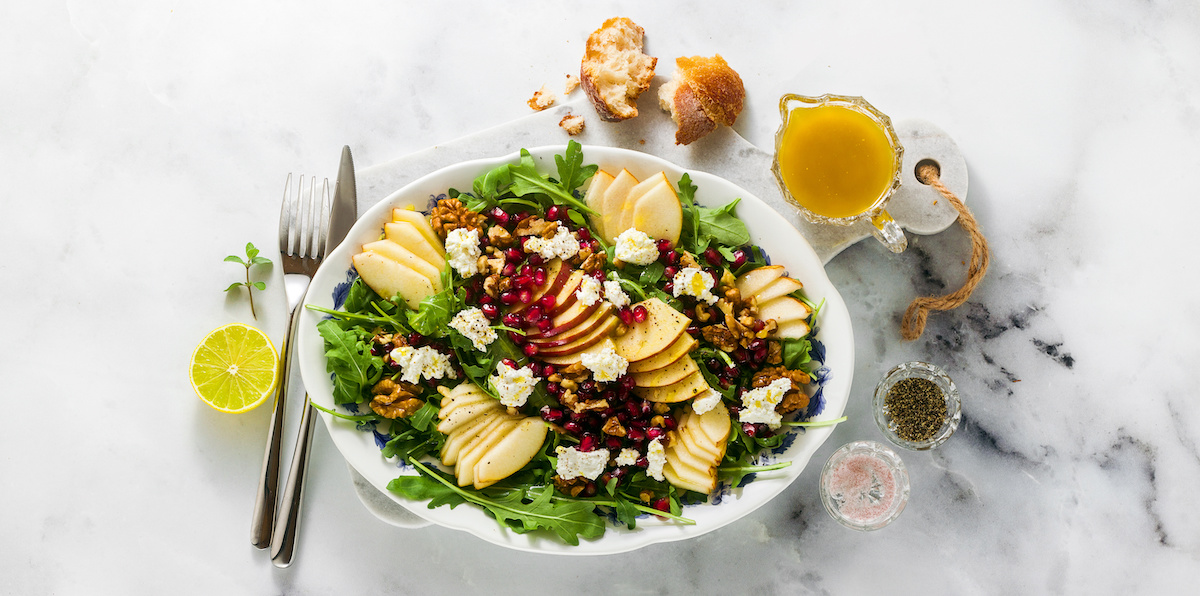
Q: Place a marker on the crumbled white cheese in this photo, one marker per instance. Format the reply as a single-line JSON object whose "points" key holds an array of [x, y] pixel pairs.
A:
{"points": [[628, 457], [473, 325], [573, 463], [563, 245], [589, 291], [614, 294], [692, 281], [758, 405], [656, 454], [422, 362], [635, 247], [606, 365], [513, 385], [462, 246], [706, 401]]}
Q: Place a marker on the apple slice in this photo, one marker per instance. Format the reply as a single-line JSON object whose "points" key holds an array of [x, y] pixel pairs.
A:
{"points": [[631, 200], [405, 234], [417, 219], [577, 357], [670, 374], [599, 333], [557, 274], [595, 198], [780, 287], [792, 330], [674, 352], [684, 389], [511, 453], [389, 278], [783, 309], [663, 325], [566, 296], [404, 256], [474, 451], [756, 279], [614, 204], [568, 319], [578, 331], [658, 212]]}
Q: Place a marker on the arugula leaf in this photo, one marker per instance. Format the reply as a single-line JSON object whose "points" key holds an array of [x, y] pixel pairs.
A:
{"points": [[420, 488], [570, 173], [722, 226], [796, 352], [527, 180], [349, 358], [433, 315], [491, 184]]}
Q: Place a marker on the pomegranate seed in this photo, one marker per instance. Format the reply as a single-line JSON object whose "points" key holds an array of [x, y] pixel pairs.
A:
{"points": [[672, 258], [623, 417], [587, 386], [662, 504], [485, 299], [645, 408], [509, 362], [731, 371], [654, 432], [633, 409], [669, 422], [712, 256], [635, 434], [759, 325], [530, 350], [628, 382], [551, 414], [415, 339], [689, 313], [607, 413], [527, 269], [378, 350], [589, 490], [553, 213], [642, 462], [693, 330], [663, 245], [490, 310], [536, 260], [626, 315], [548, 370], [573, 428], [525, 296], [500, 215], [613, 443], [669, 287], [393, 365], [760, 354], [514, 255], [509, 270], [749, 429], [522, 281], [595, 246], [584, 234], [669, 271], [758, 344], [517, 338], [553, 388], [534, 314], [539, 277], [545, 325], [512, 319], [587, 443], [598, 274], [739, 258], [548, 302], [734, 410], [638, 423], [520, 215]]}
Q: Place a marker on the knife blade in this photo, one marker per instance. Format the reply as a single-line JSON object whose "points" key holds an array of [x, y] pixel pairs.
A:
{"points": [[342, 215], [345, 203]]}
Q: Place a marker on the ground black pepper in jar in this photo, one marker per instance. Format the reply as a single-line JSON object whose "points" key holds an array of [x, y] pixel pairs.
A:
{"points": [[918, 407]]}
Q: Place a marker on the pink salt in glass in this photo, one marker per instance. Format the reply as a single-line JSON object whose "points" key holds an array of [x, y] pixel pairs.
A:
{"points": [[864, 485]]}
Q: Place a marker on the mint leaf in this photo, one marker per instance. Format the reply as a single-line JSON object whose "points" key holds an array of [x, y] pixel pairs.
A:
{"points": [[234, 286], [252, 258], [234, 259]]}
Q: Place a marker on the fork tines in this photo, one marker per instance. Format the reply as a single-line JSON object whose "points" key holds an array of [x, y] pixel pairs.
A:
{"points": [[304, 221]]}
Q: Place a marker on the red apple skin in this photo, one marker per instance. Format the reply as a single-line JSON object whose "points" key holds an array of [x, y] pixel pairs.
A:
{"points": [[554, 282], [597, 335], [583, 328], [568, 320], [566, 296]]}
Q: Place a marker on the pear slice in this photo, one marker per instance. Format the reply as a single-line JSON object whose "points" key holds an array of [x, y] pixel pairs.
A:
{"points": [[756, 279], [473, 452], [511, 453], [404, 256], [672, 373], [783, 309], [417, 219], [792, 330], [688, 478], [658, 212], [614, 204], [631, 200], [389, 278], [780, 287], [461, 401], [715, 424], [663, 325], [698, 443], [461, 416], [684, 389], [699, 459], [405, 234], [674, 352], [595, 198], [465, 434]]}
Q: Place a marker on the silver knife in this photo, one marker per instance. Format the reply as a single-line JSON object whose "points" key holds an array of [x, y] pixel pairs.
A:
{"points": [[283, 540]]}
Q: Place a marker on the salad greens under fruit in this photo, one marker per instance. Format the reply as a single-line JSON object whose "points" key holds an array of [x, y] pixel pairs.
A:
{"points": [[361, 339]]}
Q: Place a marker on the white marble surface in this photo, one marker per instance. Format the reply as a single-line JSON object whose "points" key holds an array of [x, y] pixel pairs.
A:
{"points": [[141, 142]]}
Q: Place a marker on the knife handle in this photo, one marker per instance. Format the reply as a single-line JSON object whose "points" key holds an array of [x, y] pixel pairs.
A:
{"points": [[268, 482], [287, 525]]}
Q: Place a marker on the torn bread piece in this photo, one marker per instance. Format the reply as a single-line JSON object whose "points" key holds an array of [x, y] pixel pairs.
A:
{"points": [[571, 84], [615, 71], [572, 123], [703, 93], [542, 98]]}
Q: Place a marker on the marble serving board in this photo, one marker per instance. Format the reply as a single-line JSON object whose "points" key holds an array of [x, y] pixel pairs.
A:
{"points": [[917, 207]]}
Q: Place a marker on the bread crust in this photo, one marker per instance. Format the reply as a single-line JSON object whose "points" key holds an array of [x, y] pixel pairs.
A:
{"points": [[686, 112], [703, 93], [615, 70]]}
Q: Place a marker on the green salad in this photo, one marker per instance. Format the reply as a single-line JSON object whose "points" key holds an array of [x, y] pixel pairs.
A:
{"points": [[572, 350]]}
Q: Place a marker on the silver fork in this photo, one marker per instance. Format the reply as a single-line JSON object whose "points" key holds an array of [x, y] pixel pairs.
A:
{"points": [[303, 226]]}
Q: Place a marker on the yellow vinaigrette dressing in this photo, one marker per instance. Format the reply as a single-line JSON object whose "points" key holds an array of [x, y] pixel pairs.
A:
{"points": [[836, 161]]}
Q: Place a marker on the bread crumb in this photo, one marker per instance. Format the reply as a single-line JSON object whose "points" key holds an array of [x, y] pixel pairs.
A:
{"points": [[542, 98], [641, 141], [571, 84], [572, 123]]}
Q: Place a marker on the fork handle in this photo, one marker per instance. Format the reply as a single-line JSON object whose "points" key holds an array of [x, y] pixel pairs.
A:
{"points": [[287, 525], [268, 482]]}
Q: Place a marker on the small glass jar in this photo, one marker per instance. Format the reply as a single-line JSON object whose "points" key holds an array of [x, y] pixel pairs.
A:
{"points": [[864, 485], [933, 374]]}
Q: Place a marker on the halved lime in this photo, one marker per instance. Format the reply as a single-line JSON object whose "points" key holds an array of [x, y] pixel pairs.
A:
{"points": [[234, 368]]}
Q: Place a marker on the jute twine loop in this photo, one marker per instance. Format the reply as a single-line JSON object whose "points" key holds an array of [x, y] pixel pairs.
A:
{"points": [[913, 323]]}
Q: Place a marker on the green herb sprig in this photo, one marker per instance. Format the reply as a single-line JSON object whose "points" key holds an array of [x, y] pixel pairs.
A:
{"points": [[252, 259]]}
